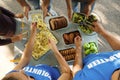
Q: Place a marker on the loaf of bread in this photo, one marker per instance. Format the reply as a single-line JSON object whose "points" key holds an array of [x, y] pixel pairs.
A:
{"points": [[58, 23], [68, 54], [69, 37]]}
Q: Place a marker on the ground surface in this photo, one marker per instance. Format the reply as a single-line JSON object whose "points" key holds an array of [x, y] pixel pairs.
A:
{"points": [[107, 10]]}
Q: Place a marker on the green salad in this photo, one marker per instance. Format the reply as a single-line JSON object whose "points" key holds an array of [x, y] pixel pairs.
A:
{"points": [[84, 22]]}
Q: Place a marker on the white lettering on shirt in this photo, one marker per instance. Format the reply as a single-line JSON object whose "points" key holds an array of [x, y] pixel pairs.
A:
{"points": [[104, 60], [37, 71]]}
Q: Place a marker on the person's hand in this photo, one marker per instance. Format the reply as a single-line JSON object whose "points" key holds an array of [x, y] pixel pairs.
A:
{"points": [[78, 41], [98, 28], [45, 12], [69, 15], [26, 10], [32, 33], [52, 45], [33, 27], [19, 15], [17, 38], [44, 6]]}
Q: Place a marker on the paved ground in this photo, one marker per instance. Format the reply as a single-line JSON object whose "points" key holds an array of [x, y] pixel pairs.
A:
{"points": [[107, 10]]}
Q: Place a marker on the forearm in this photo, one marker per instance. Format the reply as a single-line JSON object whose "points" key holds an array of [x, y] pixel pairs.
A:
{"points": [[29, 46], [5, 41], [66, 76], [69, 8], [64, 67], [44, 6], [22, 3], [69, 4], [16, 38], [27, 53], [78, 65], [26, 56], [88, 7], [63, 64], [112, 39], [78, 57], [87, 10], [46, 2]]}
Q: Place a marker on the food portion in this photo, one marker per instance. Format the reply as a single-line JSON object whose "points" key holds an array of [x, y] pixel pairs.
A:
{"points": [[58, 23], [78, 17], [84, 22], [90, 47], [85, 29], [68, 54], [34, 15], [91, 18], [69, 37], [41, 41]]}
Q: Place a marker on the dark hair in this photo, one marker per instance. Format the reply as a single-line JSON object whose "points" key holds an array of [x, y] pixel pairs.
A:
{"points": [[9, 78]]}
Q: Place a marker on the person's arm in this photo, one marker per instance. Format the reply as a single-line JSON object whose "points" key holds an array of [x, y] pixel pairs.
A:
{"points": [[10, 40], [26, 56], [78, 64], [9, 13], [6, 12], [66, 73], [88, 7], [112, 39], [25, 6], [5, 41], [69, 9], [45, 5], [22, 3], [16, 38], [19, 15]]}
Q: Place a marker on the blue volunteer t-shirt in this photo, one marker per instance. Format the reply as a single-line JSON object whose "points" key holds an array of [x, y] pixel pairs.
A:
{"points": [[99, 66], [42, 72]]}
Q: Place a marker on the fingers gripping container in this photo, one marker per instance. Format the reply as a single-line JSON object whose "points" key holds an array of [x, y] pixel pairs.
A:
{"points": [[43, 34], [84, 22], [36, 16]]}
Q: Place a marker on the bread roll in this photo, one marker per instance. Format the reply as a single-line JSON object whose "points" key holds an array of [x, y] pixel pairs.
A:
{"points": [[68, 54], [58, 23], [69, 37]]}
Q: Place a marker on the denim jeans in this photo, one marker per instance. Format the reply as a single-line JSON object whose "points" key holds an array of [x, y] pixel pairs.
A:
{"points": [[35, 4], [82, 6]]}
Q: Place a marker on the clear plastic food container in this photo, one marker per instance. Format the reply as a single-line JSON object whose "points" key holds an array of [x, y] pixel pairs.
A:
{"points": [[34, 15]]}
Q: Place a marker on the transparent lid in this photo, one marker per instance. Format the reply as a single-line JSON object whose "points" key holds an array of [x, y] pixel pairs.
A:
{"points": [[34, 15]]}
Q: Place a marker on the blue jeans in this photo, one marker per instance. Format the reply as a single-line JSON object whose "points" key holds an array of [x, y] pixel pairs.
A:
{"points": [[82, 6], [36, 5]]}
